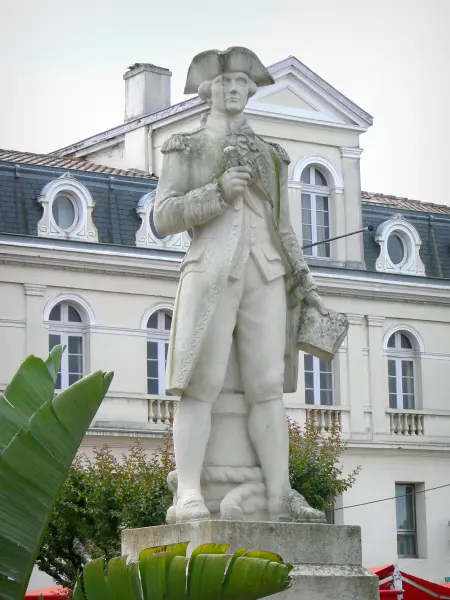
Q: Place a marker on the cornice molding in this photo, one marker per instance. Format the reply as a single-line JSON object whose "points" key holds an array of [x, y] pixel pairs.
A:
{"points": [[375, 321], [34, 289], [351, 152], [355, 319], [17, 323], [134, 264]]}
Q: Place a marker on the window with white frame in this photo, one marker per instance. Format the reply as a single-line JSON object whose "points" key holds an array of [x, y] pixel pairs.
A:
{"points": [[66, 328], [401, 371], [158, 328], [318, 381], [67, 210], [315, 212], [405, 504]]}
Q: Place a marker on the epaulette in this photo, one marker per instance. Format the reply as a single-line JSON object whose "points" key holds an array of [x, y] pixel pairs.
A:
{"points": [[280, 152], [176, 143]]}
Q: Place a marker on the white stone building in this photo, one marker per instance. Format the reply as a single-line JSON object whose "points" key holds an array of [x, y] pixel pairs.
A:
{"points": [[81, 263]]}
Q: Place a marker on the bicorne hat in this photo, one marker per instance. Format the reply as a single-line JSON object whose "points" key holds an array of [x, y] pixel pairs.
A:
{"points": [[207, 65]]}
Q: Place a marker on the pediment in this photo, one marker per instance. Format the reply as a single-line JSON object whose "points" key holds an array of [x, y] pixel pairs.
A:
{"points": [[298, 93], [287, 98]]}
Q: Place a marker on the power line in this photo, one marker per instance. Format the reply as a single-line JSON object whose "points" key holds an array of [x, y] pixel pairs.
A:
{"points": [[438, 487]]}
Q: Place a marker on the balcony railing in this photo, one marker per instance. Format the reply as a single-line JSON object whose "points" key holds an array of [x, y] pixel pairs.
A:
{"points": [[325, 417], [407, 423], [161, 411]]}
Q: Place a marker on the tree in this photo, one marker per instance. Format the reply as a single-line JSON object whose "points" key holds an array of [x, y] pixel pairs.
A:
{"points": [[314, 467], [102, 496]]}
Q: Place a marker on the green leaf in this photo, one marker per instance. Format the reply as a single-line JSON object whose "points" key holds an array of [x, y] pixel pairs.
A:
{"points": [[77, 593], [153, 569], [53, 362], [35, 461], [206, 575], [94, 580], [117, 579], [178, 549], [176, 578], [239, 552], [209, 549], [134, 581], [263, 554], [249, 579], [29, 389]]}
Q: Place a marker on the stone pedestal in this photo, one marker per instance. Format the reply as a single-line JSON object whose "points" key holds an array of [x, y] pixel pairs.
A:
{"points": [[326, 558]]}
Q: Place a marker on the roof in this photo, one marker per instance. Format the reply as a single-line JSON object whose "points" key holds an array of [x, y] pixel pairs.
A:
{"points": [[404, 203], [291, 61], [79, 164], [130, 125]]}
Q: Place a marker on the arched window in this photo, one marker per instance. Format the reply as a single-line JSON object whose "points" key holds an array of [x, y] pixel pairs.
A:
{"points": [[401, 371], [158, 326], [66, 327], [318, 381], [315, 212]]}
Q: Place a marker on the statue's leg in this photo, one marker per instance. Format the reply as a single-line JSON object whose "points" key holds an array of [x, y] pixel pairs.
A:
{"points": [[192, 423], [261, 326]]}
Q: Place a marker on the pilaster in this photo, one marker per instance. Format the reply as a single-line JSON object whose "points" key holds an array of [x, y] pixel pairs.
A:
{"points": [[378, 384], [36, 336], [353, 211], [357, 383]]}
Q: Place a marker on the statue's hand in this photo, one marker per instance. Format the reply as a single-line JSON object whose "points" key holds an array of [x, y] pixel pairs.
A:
{"points": [[233, 182], [313, 299]]}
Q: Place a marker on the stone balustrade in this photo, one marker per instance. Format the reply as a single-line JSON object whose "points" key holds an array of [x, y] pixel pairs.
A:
{"points": [[161, 410], [406, 422], [325, 417]]}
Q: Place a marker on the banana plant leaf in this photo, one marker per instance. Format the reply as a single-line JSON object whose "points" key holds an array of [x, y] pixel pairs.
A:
{"points": [[40, 433], [164, 573]]}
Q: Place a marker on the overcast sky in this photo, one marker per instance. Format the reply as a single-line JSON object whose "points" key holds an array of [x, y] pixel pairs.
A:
{"points": [[62, 66]]}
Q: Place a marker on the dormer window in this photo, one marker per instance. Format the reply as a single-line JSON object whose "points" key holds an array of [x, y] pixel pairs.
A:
{"points": [[68, 207], [147, 235], [399, 243]]}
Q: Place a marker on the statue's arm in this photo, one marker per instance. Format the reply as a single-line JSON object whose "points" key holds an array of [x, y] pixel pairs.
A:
{"points": [[178, 208], [301, 275]]}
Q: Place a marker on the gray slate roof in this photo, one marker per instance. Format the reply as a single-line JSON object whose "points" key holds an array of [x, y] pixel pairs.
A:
{"points": [[116, 196], [79, 164], [404, 203]]}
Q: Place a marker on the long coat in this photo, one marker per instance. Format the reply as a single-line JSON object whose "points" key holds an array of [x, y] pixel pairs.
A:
{"points": [[189, 198]]}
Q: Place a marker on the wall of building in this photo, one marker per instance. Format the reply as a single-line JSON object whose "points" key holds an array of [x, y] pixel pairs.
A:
{"points": [[381, 469], [115, 340]]}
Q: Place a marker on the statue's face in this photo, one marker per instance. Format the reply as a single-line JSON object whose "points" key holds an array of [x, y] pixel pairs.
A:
{"points": [[229, 93]]}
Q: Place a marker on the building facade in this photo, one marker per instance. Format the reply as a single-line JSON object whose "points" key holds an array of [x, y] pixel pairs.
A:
{"points": [[82, 264]]}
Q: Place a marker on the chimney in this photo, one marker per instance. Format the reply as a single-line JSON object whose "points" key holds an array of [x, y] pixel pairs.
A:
{"points": [[147, 90]]}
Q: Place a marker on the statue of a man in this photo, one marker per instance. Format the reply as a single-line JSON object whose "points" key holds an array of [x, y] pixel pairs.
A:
{"points": [[243, 279]]}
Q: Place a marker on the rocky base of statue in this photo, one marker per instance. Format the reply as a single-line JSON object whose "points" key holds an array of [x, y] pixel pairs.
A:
{"points": [[244, 499], [326, 558]]}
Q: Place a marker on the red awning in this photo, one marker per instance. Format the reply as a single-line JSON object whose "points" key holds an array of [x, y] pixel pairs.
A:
{"points": [[48, 593], [414, 588]]}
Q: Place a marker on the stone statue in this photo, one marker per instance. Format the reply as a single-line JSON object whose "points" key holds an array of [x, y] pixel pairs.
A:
{"points": [[243, 292]]}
